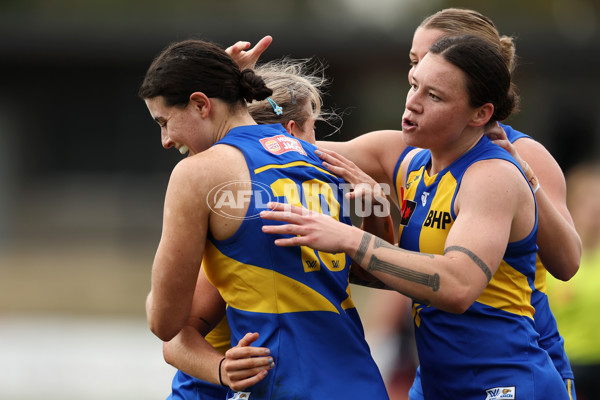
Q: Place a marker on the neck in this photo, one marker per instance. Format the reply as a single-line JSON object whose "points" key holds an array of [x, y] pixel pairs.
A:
{"points": [[442, 157], [240, 117]]}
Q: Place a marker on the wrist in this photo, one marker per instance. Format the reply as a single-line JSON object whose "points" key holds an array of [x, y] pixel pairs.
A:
{"points": [[220, 373], [531, 177]]}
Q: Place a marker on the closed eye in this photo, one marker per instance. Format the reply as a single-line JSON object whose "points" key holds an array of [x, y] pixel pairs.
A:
{"points": [[161, 122]]}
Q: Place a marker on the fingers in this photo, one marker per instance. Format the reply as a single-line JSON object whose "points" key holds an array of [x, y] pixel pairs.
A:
{"points": [[294, 216], [237, 48], [261, 46], [288, 208], [333, 158], [239, 384], [248, 339], [245, 365], [495, 132]]}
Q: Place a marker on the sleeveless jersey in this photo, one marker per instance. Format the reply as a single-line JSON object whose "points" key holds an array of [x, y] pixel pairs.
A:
{"points": [[545, 323], [491, 350], [296, 298]]}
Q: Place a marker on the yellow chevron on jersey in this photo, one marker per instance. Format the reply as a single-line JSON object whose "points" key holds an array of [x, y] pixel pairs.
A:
{"points": [[252, 288], [348, 303], [291, 164]]}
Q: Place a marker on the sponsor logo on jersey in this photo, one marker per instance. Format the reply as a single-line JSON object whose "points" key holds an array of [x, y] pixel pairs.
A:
{"points": [[501, 393], [407, 208], [282, 144], [437, 219]]}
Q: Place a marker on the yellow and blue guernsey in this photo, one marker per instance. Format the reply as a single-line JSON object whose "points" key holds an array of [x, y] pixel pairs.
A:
{"points": [[491, 351], [296, 298], [545, 323]]}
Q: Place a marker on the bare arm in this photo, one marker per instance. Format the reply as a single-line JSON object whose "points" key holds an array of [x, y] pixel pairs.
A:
{"points": [[193, 354], [371, 203], [559, 244], [558, 241], [371, 153], [492, 195], [179, 254], [189, 351]]}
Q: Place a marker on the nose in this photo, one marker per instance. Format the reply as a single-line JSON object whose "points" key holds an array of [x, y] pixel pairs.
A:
{"points": [[410, 73], [165, 139], [412, 101]]}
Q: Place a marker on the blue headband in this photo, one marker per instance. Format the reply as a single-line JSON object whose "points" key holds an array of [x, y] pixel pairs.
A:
{"points": [[278, 110]]}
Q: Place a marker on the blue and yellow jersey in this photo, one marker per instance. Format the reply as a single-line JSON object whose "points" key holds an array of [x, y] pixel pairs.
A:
{"points": [[296, 298], [491, 349]]}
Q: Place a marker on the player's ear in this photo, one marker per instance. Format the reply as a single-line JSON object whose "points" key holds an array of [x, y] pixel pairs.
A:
{"points": [[482, 115], [290, 126], [201, 102]]}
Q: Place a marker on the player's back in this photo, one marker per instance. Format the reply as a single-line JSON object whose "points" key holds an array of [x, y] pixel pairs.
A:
{"points": [[296, 298]]}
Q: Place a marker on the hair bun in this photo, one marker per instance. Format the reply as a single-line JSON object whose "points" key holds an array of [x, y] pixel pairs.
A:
{"points": [[253, 87]]}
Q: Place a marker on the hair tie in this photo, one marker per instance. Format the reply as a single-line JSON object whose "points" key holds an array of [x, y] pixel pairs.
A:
{"points": [[278, 110], [292, 95]]}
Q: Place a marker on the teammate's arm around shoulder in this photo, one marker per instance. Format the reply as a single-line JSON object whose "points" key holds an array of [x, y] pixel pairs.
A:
{"points": [[371, 152], [179, 255], [495, 206], [558, 241]]}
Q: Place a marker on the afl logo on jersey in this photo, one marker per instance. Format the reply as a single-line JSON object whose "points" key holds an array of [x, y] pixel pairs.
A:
{"points": [[282, 144]]}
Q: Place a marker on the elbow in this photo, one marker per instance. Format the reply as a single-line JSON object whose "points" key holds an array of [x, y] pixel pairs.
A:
{"points": [[168, 353], [163, 323], [564, 274], [565, 267], [458, 301], [163, 330]]}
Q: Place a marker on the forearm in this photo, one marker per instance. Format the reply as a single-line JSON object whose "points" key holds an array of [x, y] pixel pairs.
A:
{"points": [[192, 354], [382, 227], [558, 241], [160, 323], [426, 278], [168, 316]]}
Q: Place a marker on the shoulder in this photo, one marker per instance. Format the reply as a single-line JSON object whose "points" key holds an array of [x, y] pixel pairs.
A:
{"points": [[495, 181], [204, 170]]}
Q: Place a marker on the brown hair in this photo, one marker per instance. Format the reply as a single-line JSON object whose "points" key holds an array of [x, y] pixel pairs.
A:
{"points": [[487, 76], [198, 66], [459, 21]]}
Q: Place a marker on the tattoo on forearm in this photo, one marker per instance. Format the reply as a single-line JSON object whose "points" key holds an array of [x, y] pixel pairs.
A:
{"points": [[382, 243], [362, 248], [478, 261], [421, 278]]}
